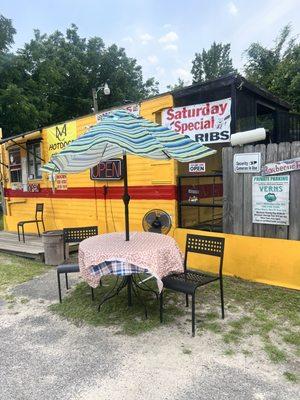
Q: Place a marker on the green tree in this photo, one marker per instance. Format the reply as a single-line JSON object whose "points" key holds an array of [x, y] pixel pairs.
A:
{"points": [[17, 111], [212, 63], [277, 68], [177, 85], [7, 32], [53, 76]]}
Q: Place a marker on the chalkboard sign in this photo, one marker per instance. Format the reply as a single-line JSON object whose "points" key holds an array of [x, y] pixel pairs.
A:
{"points": [[110, 170]]}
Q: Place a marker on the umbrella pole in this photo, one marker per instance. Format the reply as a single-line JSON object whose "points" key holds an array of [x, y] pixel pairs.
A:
{"points": [[126, 198]]}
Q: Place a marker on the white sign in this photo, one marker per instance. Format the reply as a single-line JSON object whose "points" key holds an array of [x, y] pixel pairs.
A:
{"points": [[132, 108], [244, 163], [205, 123], [197, 167], [281, 167], [270, 200]]}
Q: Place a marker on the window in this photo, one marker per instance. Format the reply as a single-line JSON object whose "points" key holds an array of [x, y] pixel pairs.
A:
{"points": [[15, 168], [34, 160]]}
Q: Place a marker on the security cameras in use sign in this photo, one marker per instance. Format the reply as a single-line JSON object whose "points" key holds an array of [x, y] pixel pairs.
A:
{"points": [[244, 163]]}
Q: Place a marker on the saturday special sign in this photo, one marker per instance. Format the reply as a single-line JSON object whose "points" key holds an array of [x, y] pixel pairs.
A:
{"points": [[205, 123], [270, 200], [60, 136]]}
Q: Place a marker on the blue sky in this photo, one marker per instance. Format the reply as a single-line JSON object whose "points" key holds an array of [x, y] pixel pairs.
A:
{"points": [[162, 35]]}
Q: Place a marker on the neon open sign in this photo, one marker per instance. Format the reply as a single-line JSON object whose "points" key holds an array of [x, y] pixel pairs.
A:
{"points": [[109, 170]]}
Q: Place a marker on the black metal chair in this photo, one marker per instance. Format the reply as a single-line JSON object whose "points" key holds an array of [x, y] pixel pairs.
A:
{"points": [[73, 235], [39, 217], [188, 281]]}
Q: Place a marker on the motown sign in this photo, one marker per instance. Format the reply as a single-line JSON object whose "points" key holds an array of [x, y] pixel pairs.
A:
{"points": [[205, 123], [60, 136]]}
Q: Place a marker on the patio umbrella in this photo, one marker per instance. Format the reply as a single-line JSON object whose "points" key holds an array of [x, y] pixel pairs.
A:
{"points": [[121, 133]]}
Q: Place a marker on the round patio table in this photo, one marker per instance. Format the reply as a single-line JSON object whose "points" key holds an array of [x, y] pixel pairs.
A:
{"points": [[154, 253]]}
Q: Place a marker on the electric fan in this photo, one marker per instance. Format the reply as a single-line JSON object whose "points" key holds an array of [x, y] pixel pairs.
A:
{"points": [[157, 221]]}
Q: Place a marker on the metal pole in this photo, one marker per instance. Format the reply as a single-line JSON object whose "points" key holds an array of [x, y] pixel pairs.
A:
{"points": [[126, 198], [94, 94]]}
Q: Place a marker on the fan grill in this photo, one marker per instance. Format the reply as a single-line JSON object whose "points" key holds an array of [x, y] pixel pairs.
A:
{"points": [[157, 221]]}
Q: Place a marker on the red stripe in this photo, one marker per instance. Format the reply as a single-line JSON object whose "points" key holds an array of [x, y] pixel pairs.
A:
{"points": [[160, 192]]}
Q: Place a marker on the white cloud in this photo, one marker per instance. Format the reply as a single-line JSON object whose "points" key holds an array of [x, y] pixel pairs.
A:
{"points": [[167, 26], [152, 59], [183, 74], [232, 8], [168, 37], [160, 70], [146, 38], [127, 39], [172, 47]]}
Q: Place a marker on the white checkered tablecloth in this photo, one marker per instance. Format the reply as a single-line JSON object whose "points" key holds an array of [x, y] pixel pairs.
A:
{"points": [[109, 253]]}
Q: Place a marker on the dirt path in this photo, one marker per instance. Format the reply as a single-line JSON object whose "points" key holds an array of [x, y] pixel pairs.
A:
{"points": [[45, 357]]}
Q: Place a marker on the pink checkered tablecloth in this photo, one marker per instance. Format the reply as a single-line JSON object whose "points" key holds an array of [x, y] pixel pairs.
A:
{"points": [[159, 254]]}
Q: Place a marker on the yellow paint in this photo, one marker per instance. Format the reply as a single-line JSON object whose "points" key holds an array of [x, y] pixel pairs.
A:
{"points": [[270, 261]]}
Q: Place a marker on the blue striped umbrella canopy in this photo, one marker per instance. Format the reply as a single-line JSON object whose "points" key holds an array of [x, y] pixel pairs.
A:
{"points": [[120, 133]]}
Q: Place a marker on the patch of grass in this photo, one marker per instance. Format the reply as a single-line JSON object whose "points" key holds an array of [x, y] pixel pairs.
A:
{"points": [[9, 298], [231, 337], [1, 221], [292, 338], [275, 354], [229, 352], [291, 377], [213, 327], [235, 334], [247, 352], [210, 316], [79, 308], [15, 270]]}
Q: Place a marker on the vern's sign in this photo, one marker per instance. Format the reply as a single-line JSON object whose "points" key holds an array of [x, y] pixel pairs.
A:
{"points": [[206, 123], [109, 170]]}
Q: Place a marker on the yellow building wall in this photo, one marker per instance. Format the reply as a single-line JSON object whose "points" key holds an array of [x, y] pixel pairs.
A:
{"points": [[270, 261], [107, 214]]}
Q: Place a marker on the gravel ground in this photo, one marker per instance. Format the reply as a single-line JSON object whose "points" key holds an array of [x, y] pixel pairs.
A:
{"points": [[45, 357]]}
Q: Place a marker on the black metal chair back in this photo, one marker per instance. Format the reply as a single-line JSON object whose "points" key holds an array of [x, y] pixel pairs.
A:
{"points": [[210, 245], [76, 235], [39, 211], [73, 235]]}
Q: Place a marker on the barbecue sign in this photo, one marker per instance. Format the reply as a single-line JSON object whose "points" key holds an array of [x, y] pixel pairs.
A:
{"points": [[280, 167], [205, 123], [110, 170]]}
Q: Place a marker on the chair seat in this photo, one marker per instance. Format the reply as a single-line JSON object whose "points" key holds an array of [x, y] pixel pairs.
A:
{"points": [[67, 268], [29, 221], [187, 282]]}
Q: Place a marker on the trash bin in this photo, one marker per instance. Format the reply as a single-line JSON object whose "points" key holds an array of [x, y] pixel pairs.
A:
{"points": [[54, 247]]}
